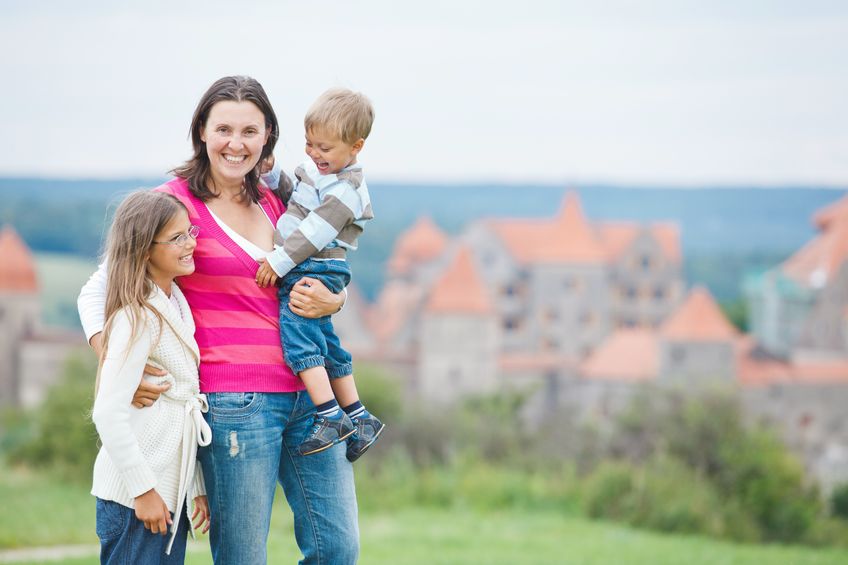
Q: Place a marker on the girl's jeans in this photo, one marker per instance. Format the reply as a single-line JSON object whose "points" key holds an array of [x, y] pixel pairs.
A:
{"points": [[254, 445], [124, 539]]}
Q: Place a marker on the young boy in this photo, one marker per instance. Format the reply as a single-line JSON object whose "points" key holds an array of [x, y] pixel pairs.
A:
{"points": [[327, 209]]}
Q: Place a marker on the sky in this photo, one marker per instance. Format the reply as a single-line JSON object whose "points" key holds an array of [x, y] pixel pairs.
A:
{"points": [[652, 92]]}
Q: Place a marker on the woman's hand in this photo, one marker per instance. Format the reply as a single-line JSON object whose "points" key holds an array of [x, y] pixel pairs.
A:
{"points": [[152, 510], [201, 509], [147, 393], [311, 299]]}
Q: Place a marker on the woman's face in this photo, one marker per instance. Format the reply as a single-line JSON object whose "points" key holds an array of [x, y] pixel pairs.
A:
{"points": [[234, 134]]}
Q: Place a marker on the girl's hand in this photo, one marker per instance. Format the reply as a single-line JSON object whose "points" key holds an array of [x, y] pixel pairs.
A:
{"points": [[311, 299], [201, 512], [152, 510]]}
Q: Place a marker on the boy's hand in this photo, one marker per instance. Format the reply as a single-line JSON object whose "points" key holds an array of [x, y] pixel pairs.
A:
{"points": [[266, 164], [152, 510], [265, 276], [201, 512]]}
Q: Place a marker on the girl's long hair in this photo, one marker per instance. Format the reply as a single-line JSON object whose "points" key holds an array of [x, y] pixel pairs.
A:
{"points": [[137, 220]]}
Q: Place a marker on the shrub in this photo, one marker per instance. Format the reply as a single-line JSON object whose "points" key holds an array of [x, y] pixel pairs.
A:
{"points": [[63, 437], [839, 501]]}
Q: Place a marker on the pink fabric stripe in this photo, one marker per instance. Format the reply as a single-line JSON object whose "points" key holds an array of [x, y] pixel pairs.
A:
{"points": [[235, 377], [218, 337], [235, 320], [243, 354], [221, 266], [242, 286], [211, 247], [224, 301]]}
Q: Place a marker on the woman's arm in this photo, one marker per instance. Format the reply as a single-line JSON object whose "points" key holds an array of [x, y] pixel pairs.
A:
{"points": [[91, 305]]}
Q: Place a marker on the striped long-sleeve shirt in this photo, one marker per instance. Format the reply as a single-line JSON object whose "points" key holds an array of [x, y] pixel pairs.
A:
{"points": [[325, 216]]}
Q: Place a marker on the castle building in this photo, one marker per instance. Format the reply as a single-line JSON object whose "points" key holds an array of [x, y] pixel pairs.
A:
{"points": [[585, 313], [32, 356]]}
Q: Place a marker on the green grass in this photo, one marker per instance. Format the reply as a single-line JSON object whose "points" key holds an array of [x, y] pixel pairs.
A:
{"points": [[38, 511], [60, 278]]}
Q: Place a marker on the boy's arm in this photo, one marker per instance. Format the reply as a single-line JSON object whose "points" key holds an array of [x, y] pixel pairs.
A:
{"points": [[321, 226]]}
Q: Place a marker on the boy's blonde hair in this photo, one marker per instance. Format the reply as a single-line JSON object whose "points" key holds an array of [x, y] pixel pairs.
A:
{"points": [[137, 220], [342, 112]]}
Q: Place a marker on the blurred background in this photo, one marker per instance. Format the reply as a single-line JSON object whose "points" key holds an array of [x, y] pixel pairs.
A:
{"points": [[603, 306]]}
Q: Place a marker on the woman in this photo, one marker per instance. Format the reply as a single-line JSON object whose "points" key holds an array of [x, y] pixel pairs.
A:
{"points": [[258, 410]]}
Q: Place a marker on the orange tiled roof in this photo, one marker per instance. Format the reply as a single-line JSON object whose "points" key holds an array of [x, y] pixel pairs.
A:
{"points": [[835, 212], [568, 237], [460, 289], [420, 243], [753, 371], [17, 268], [814, 264], [698, 319], [617, 236], [627, 355]]}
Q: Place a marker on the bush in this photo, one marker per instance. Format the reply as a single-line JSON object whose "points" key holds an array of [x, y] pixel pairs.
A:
{"points": [[63, 438], [839, 501]]}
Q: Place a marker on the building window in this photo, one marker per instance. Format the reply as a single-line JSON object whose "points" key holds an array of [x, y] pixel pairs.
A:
{"points": [[587, 319], [678, 355], [645, 262], [512, 324], [659, 293]]}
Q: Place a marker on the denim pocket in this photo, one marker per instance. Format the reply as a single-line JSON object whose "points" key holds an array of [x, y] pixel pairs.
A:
{"points": [[111, 519], [224, 406]]}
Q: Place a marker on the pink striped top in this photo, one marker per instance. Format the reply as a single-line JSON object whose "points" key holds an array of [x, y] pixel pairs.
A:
{"points": [[238, 328]]}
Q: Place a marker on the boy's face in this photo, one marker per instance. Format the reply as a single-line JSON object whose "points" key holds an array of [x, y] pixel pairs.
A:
{"points": [[330, 153]]}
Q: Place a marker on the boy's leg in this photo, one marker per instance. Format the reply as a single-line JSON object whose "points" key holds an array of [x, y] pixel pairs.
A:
{"points": [[317, 385], [331, 425], [321, 493]]}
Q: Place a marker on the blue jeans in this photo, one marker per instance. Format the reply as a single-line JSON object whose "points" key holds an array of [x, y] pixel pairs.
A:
{"points": [[254, 445], [125, 541], [312, 342]]}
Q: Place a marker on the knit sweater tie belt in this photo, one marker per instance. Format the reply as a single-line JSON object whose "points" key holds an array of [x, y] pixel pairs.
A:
{"points": [[195, 432]]}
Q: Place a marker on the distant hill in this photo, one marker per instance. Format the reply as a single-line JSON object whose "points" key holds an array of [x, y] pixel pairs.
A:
{"points": [[754, 226]]}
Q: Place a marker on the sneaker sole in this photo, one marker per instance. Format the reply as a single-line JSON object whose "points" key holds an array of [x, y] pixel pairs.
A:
{"points": [[328, 446], [369, 444]]}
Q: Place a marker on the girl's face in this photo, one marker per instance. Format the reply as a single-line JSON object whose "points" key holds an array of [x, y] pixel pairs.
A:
{"points": [[234, 134], [172, 253]]}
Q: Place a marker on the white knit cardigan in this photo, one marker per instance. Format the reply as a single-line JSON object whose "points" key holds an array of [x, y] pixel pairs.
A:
{"points": [[153, 447]]}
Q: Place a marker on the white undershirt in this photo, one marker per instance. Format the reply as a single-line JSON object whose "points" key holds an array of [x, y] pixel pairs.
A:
{"points": [[248, 246]]}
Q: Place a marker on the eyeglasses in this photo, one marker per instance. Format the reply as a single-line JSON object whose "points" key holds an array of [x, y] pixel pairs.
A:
{"points": [[182, 239]]}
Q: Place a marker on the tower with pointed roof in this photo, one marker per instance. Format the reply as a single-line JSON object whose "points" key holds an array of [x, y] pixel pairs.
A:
{"points": [[798, 306], [20, 309], [458, 344], [698, 343]]}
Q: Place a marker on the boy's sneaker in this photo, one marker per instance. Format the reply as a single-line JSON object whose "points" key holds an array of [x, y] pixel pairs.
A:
{"points": [[326, 432], [367, 429]]}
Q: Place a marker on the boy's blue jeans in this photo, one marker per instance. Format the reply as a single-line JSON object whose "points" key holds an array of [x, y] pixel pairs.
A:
{"points": [[312, 342], [255, 437], [124, 539]]}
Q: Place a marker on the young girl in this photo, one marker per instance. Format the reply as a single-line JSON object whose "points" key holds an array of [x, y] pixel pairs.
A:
{"points": [[146, 470]]}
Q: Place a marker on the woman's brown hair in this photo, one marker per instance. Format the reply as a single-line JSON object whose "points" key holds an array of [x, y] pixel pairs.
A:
{"points": [[197, 170]]}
